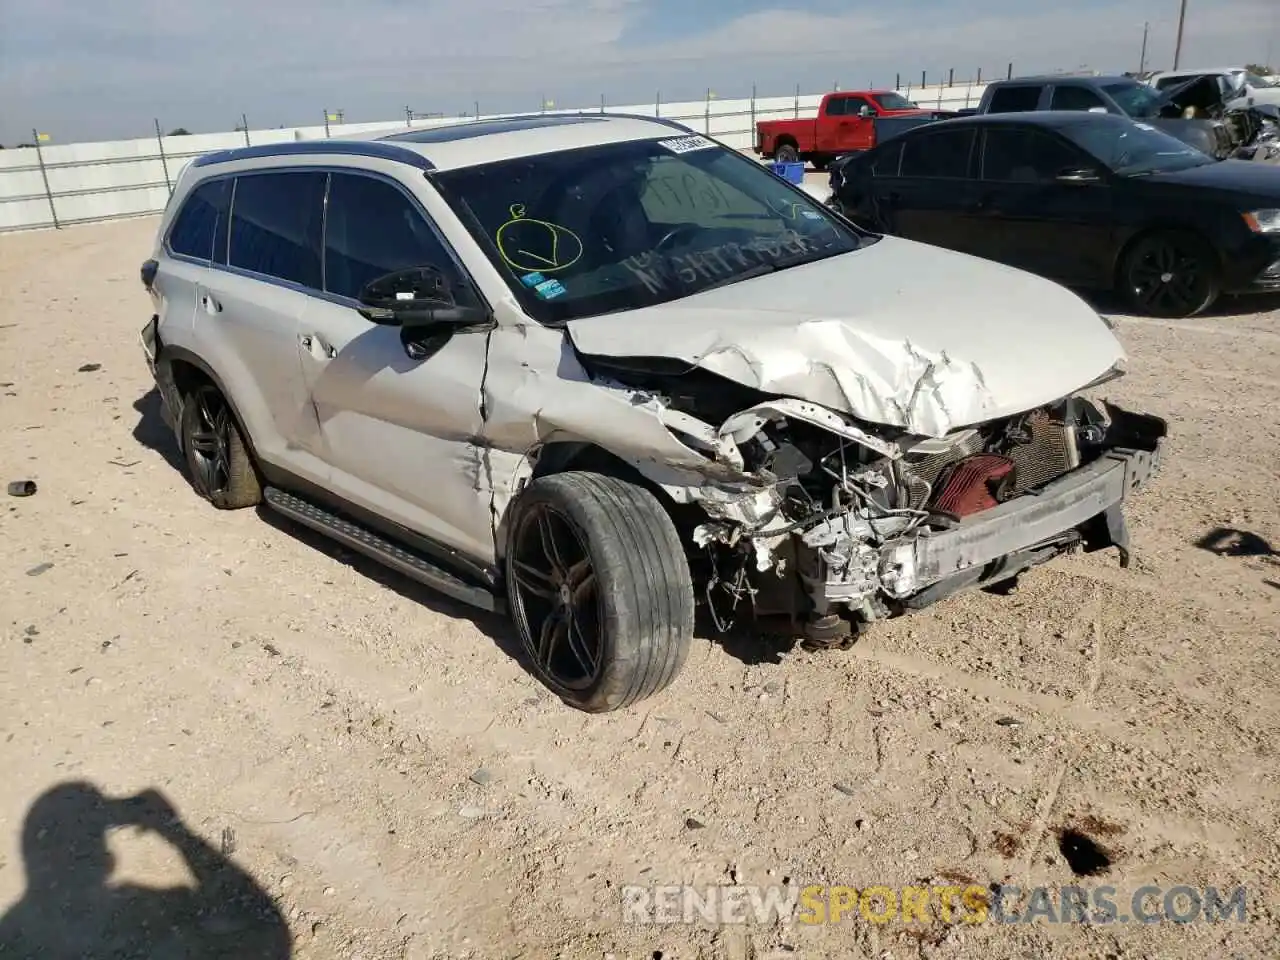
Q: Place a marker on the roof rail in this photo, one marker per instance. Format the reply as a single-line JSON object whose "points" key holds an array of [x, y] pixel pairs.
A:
{"points": [[378, 149]]}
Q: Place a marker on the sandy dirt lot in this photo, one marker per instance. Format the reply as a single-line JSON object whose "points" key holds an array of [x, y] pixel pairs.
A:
{"points": [[392, 783]]}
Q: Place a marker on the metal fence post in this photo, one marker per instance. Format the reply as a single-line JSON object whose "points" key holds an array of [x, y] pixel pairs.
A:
{"points": [[797, 102], [1009, 75], [244, 123], [408, 115], [657, 104], [897, 81], [326, 122], [707, 119], [164, 161], [923, 81], [979, 75], [951, 77], [753, 113], [44, 175], [477, 106], [602, 103]]}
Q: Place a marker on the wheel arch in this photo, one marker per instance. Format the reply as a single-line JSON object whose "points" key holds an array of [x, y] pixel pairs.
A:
{"points": [[1148, 230], [179, 371], [563, 456]]}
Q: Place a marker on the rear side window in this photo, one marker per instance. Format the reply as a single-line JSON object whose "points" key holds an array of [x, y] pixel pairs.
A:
{"points": [[196, 224], [275, 225], [944, 154], [1014, 99], [373, 229], [887, 159], [1075, 98]]}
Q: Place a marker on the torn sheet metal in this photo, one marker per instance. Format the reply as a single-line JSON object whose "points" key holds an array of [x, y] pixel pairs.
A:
{"points": [[897, 333]]}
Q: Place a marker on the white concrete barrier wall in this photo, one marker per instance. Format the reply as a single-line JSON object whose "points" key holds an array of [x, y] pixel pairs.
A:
{"points": [[127, 178]]}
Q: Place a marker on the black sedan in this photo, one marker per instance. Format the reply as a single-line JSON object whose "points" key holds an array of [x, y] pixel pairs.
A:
{"points": [[1090, 200]]}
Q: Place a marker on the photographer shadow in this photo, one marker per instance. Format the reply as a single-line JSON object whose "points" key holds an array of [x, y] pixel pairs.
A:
{"points": [[71, 910]]}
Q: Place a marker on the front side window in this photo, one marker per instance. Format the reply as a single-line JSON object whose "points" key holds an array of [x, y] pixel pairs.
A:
{"points": [[1019, 155], [1074, 98], [372, 229], [1137, 150], [1014, 99], [616, 227], [943, 154], [1136, 99], [893, 101], [196, 224], [275, 225]]}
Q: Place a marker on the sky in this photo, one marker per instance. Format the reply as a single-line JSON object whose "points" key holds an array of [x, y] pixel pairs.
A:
{"points": [[106, 69]]}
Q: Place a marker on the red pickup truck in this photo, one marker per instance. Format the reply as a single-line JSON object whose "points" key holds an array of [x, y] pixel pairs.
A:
{"points": [[847, 122]]}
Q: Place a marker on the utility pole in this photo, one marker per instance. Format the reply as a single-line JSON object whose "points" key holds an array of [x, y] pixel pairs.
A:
{"points": [[1142, 61], [1177, 46]]}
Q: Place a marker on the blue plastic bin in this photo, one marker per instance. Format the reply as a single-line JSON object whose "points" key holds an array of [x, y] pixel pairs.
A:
{"points": [[792, 172]]}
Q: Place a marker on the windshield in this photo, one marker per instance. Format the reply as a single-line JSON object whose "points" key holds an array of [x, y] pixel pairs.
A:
{"points": [[621, 226], [1136, 150], [893, 101], [1135, 99]]}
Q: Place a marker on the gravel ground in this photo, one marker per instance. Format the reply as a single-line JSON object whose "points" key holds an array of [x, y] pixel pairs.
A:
{"points": [[395, 785]]}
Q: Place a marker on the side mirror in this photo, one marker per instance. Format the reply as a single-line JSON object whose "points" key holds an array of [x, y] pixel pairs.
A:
{"points": [[417, 297], [1078, 175], [865, 112]]}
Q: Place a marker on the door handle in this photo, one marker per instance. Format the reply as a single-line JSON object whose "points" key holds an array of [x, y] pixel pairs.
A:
{"points": [[317, 347], [210, 304]]}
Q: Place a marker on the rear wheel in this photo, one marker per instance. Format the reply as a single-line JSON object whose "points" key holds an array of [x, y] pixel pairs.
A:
{"points": [[217, 455], [599, 588], [1170, 274], [786, 154]]}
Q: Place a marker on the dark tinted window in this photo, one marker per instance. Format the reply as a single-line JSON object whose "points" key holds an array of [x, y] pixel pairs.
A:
{"points": [[373, 229], [1025, 156], [275, 225], [941, 154], [836, 107], [886, 160], [1014, 99], [196, 225], [1074, 98]]}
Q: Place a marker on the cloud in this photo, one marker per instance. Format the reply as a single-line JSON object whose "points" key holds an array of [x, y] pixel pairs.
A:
{"points": [[105, 69]]}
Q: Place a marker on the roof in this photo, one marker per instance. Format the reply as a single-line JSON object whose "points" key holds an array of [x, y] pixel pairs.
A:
{"points": [[468, 143], [1054, 119], [1066, 78]]}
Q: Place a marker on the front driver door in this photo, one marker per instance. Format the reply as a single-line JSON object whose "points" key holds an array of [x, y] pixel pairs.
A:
{"points": [[400, 434], [1026, 217]]}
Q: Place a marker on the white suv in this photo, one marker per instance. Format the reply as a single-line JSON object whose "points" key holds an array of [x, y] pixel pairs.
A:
{"points": [[599, 370]]}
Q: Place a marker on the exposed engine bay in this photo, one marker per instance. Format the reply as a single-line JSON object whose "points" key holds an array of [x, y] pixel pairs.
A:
{"points": [[841, 511]]}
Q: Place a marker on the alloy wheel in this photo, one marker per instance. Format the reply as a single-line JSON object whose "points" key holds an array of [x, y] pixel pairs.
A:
{"points": [[1167, 277], [557, 604], [210, 441]]}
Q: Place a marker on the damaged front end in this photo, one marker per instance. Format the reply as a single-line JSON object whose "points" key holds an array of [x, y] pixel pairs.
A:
{"points": [[840, 523]]}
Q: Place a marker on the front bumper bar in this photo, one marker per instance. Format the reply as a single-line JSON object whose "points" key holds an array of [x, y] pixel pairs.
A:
{"points": [[1020, 524]]}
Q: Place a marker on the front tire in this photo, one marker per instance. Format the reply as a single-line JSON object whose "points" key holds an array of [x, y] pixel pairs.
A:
{"points": [[1170, 274], [218, 458], [599, 587]]}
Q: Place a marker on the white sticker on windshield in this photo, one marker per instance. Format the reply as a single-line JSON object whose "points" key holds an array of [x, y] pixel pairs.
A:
{"points": [[687, 144]]}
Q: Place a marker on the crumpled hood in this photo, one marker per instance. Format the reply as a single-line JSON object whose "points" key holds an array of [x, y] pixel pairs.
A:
{"points": [[897, 333]]}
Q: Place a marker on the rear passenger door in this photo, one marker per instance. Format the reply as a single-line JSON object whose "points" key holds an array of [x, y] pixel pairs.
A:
{"points": [[401, 434], [264, 269], [926, 198]]}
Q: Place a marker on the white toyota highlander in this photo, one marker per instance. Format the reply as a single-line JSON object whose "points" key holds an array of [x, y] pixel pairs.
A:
{"points": [[599, 370]]}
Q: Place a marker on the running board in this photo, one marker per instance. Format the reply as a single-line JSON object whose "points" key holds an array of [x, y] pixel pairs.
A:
{"points": [[379, 548]]}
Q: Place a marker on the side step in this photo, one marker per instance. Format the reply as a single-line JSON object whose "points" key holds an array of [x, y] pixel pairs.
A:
{"points": [[378, 548]]}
